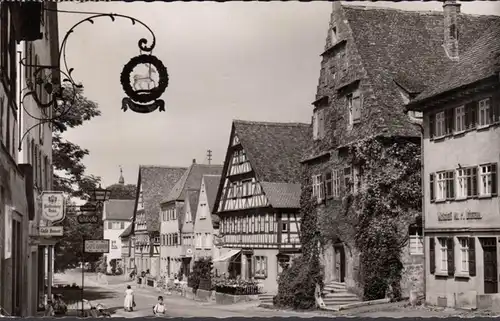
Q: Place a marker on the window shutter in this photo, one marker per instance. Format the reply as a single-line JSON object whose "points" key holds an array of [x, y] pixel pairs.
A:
{"points": [[473, 114], [494, 180], [449, 120], [432, 256], [431, 187], [432, 127], [315, 125], [356, 107], [472, 256], [254, 264], [495, 107], [321, 123], [451, 256], [474, 181], [264, 263]]}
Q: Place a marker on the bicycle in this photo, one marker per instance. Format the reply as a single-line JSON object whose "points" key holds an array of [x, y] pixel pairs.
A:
{"points": [[95, 311]]}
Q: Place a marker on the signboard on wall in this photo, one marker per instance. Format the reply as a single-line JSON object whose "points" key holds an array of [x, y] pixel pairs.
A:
{"points": [[51, 231], [8, 232], [96, 246], [52, 206]]}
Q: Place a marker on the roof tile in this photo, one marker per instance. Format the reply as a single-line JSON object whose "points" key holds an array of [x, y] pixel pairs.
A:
{"points": [[282, 195], [479, 62], [157, 181], [119, 209], [274, 149]]}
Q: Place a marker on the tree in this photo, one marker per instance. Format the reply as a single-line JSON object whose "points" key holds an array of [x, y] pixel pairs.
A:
{"points": [[69, 249], [67, 157], [122, 192], [70, 177]]}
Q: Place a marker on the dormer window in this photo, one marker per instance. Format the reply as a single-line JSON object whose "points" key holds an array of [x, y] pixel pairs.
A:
{"points": [[319, 124], [354, 107], [333, 35]]}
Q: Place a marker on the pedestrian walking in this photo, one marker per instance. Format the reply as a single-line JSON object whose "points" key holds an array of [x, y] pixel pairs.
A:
{"points": [[159, 308], [129, 302]]}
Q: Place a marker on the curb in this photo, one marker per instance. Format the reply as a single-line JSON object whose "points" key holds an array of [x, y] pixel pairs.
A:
{"points": [[356, 305]]}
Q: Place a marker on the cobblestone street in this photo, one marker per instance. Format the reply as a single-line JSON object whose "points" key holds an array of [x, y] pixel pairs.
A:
{"points": [[177, 306]]}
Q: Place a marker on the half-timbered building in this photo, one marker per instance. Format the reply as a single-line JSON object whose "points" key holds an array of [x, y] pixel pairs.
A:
{"points": [[153, 182], [258, 199], [177, 209]]}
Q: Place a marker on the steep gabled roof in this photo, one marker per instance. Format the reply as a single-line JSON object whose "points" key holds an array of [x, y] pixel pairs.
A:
{"points": [[211, 186], [191, 179], [405, 47], [480, 61], [127, 231], [274, 149], [156, 182], [119, 209]]}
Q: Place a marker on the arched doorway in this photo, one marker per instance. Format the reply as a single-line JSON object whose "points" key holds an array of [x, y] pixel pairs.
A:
{"points": [[340, 262]]}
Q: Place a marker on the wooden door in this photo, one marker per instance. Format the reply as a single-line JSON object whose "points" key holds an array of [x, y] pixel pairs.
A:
{"points": [[490, 265], [249, 267], [339, 263]]}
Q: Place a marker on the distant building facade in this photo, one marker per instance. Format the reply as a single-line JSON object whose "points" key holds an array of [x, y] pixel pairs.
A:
{"points": [[178, 212], [152, 184], [117, 215], [206, 224]]}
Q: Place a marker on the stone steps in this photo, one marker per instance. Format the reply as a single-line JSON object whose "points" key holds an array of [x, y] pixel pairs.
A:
{"points": [[335, 294], [266, 298]]}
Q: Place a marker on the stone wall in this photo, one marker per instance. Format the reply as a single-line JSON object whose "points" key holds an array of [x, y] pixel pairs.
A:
{"points": [[12, 184], [412, 278]]}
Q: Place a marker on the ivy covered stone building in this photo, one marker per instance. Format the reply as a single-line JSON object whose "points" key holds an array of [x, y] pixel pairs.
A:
{"points": [[461, 149], [363, 164]]}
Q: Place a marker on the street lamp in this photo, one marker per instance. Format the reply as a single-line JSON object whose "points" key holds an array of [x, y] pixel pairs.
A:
{"points": [[100, 194]]}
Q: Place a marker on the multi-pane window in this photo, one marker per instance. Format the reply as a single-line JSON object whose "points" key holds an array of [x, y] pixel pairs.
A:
{"points": [[464, 254], [260, 266], [443, 254], [336, 183], [440, 129], [317, 184], [460, 119], [462, 182], [445, 185], [484, 112], [208, 240], [488, 180], [416, 241]]}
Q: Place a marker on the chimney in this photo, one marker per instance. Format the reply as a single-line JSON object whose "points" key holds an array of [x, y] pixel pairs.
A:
{"points": [[194, 160], [451, 10]]}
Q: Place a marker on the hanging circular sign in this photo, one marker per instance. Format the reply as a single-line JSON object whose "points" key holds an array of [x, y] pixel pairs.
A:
{"points": [[142, 97]]}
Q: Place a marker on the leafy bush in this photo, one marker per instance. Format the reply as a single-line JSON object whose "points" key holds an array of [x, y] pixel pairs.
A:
{"points": [[102, 266], [202, 270], [297, 283]]}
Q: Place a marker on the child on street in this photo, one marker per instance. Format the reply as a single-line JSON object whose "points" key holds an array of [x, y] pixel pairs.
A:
{"points": [[159, 308]]}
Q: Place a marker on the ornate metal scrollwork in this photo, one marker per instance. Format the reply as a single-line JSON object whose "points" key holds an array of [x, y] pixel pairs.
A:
{"points": [[140, 100]]}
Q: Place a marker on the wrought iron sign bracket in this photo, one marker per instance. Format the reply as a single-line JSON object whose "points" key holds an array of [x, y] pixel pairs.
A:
{"points": [[142, 91]]}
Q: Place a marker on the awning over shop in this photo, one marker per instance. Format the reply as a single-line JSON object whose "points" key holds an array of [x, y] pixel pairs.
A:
{"points": [[227, 256]]}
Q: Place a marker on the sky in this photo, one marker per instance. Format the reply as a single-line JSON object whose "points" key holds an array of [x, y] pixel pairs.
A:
{"points": [[243, 60]]}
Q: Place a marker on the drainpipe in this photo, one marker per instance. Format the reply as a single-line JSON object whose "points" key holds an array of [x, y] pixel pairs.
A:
{"points": [[420, 123]]}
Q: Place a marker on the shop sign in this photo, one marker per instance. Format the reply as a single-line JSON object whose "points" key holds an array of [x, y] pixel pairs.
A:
{"points": [[96, 246], [459, 216], [52, 206], [51, 231]]}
